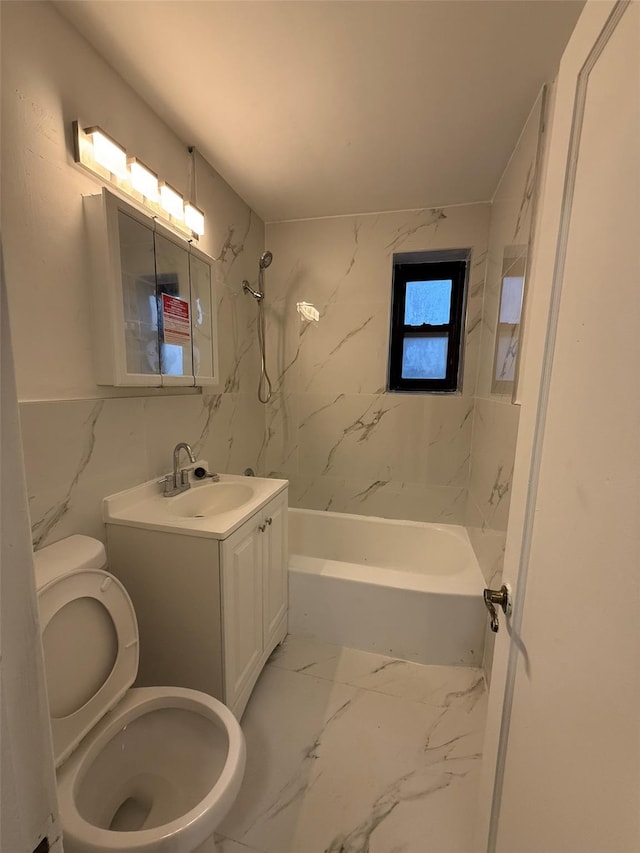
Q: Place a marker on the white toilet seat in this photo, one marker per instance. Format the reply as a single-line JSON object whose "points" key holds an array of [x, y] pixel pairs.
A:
{"points": [[98, 585], [88, 801]]}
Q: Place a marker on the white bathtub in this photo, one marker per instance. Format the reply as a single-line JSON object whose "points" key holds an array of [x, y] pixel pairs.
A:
{"points": [[407, 589]]}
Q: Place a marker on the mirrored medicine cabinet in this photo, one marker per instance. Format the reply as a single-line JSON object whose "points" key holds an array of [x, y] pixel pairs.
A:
{"points": [[153, 300]]}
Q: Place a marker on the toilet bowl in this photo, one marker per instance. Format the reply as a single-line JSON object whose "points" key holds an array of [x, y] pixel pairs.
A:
{"points": [[139, 770]]}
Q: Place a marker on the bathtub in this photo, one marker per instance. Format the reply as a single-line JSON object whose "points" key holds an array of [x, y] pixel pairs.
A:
{"points": [[411, 590]]}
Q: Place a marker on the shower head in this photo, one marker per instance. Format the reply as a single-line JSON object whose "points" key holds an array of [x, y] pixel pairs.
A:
{"points": [[265, 260], [263, 263]]}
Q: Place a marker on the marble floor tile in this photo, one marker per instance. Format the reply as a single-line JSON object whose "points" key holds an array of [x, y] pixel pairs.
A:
{"points": [[339, 761], [434, 685]]}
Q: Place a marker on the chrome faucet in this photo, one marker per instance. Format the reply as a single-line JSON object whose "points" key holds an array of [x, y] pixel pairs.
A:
{"points": [[178, 480]]}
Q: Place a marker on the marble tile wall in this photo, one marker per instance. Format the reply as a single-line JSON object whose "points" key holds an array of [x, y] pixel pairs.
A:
{"points": [[332, 429], [82, 441], [495, 423], [78, 451]]}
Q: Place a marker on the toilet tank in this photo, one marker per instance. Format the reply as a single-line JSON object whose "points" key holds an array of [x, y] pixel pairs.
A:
{"points": [[72, 554]]}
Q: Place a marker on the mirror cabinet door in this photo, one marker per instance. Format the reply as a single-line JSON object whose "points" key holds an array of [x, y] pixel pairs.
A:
{"points": [[141, 340], [202, 310], [173, 296]]}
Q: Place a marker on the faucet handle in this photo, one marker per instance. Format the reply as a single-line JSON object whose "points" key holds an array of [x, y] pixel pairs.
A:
{"points": [[184, 476], [169, 485]]}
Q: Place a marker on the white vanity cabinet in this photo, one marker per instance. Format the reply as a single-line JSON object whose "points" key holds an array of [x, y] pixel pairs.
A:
{"points": [[210, 611], [153, 300]]}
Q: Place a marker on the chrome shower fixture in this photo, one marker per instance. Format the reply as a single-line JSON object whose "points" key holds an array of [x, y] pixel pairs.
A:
{"points": [[263, 263], [257, 294], [264, 385]]}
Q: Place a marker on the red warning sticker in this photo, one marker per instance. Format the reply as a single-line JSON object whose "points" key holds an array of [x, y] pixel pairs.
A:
{"points": [[175, 320]]}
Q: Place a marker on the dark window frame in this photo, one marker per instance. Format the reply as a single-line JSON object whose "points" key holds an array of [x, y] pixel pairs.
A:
{"points": [[428, 270]]}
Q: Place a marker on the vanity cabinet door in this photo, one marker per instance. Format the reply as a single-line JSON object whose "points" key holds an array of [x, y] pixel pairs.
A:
{"points": [[242, 606], [275, 565]]}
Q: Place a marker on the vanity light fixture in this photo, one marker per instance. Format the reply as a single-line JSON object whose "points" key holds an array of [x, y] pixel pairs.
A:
{"points": [[107, 153], [143, 179], [194, 218], [100, 154], [171, 201]]}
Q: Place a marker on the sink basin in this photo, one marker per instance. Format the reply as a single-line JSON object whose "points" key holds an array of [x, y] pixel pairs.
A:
{"points": [[208, 509], [211, 499]]}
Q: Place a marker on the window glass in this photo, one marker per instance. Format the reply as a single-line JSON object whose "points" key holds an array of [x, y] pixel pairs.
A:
{"points": [[425, 358], [427, 302]]}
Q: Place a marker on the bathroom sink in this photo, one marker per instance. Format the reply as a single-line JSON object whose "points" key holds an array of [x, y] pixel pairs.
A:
{"points": [[208, 508], [211, 499]]}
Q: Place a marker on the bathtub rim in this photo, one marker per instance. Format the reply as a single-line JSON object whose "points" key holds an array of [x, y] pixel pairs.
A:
{"points": [[467, 582], [458, 531]]}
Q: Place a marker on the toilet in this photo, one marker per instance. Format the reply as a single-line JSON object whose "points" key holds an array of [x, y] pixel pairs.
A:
{"points": [[139, 770]]}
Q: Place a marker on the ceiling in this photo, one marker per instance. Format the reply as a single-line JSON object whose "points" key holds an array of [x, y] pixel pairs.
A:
{"points": [[324, 107]]}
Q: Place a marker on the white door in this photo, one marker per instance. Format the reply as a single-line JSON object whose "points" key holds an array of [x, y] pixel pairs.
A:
{"points": [[562, 753]]}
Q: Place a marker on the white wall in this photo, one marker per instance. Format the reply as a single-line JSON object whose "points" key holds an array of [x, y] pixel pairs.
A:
{"points": [[80, 441], [332, 429]]}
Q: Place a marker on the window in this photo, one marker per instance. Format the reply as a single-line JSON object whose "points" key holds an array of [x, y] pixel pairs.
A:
{"points": [[427, 320]]}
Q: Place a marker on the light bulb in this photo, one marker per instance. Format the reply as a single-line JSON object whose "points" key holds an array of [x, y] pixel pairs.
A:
{"points": [[107, 153], [171, 201], [194, 218], [144, 180]]}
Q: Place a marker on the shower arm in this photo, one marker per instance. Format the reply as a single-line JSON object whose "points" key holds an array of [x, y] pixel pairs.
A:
{"points": [[257, 294]]}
